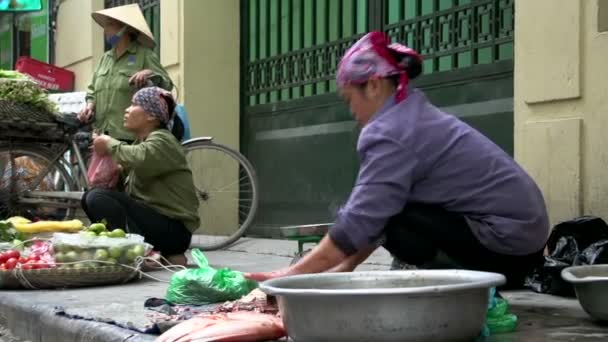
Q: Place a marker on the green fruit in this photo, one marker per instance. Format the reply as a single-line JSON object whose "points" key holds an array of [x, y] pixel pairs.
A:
{"points": [[97, 227], [91, 234], [79, 265], [115, 252], [60, 257], [101, 254], [118, 233], [71, 256], [139, 250], [112, 260], [130, 256], [106, 234], [86, 255], [60, 248], [18, 244]]}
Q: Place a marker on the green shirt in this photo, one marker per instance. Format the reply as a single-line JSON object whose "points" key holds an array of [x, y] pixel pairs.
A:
{"points": [[159, 176], [110, 89]]}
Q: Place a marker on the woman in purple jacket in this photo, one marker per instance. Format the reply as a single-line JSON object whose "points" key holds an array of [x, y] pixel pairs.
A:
{"points": [[427, 183]]}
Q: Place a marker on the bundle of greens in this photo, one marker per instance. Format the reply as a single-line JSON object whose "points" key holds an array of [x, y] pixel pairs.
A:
{"points": [[17, 87], [8, 233]]}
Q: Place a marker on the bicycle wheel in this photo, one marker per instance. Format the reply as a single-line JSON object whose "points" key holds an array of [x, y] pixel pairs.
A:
{"points": [[227, 189], [21, 164]]}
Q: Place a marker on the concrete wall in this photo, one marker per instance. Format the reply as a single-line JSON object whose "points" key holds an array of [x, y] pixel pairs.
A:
{"points": [[561, 100], [211, 60], [79, 40]]}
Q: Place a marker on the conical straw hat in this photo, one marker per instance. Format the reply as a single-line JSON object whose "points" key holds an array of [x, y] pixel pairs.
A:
{"points": [[130, 15]]}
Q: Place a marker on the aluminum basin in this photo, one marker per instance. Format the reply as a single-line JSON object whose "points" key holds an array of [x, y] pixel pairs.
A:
{"points": [[591, 286], [410, 305]]}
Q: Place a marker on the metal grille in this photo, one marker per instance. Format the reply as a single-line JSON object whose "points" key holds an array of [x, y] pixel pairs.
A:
{"points": [[144, 4], [294, 46], [453, 34]]}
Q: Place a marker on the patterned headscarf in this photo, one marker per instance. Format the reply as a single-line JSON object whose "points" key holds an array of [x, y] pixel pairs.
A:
{"points": [[151, 101], [374, 56]]}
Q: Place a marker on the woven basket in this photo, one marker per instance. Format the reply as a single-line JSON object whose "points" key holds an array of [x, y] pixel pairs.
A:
{"points": [[8, 281], [52, 278], [23, 120]]}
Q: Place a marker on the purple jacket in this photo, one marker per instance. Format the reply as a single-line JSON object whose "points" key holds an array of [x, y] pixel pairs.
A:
{"points": [[413, 152]]}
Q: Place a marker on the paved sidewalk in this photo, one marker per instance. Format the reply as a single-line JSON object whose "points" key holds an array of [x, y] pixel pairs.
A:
{"points": [[30, 315]]}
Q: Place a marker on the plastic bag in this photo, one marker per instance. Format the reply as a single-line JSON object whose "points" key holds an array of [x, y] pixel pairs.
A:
{"points": [[81, 247], [498, 318], [207, 285], [581, 241], [103, 172]]}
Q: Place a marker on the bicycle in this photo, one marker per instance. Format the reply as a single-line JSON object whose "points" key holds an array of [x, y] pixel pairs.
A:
{"points": [[56, 149]]}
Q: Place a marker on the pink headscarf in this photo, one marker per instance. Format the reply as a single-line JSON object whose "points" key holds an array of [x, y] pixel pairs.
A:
{"points": [[374, 56]]}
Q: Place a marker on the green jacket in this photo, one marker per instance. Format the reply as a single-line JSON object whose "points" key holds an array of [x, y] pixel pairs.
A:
{"points": [[110, 89], [158, 176]]}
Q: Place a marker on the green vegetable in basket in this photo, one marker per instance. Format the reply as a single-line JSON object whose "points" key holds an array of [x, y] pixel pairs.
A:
{"points": [[16, 75], [8, 233], [23, 90], [207, 285]]}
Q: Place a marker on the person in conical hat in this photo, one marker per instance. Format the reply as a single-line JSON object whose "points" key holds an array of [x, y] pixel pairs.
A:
{"points": [[129, 65]]}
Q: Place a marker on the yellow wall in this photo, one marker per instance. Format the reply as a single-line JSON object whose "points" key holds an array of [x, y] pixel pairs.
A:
{"points": [[211, 59], [561, 100], [78, 42]]}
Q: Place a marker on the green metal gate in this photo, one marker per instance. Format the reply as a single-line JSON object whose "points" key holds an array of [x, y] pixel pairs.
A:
{"points": [[299, 134]]}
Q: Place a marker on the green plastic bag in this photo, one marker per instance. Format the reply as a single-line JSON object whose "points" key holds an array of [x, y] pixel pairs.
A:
{"points": [[207, 285], [498, 318]]}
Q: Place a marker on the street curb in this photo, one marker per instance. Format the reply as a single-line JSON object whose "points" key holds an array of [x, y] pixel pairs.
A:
{"points": [[37, 323]]}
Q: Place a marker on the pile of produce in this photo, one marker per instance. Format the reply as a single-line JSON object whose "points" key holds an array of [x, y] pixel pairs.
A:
{"points": [[72, 246], [25, 226], [97, 246], [18, 87], [37, 256]]}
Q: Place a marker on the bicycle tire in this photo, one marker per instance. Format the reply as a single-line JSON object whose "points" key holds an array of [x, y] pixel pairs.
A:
{"points": [[46, 155], [194, 145]]}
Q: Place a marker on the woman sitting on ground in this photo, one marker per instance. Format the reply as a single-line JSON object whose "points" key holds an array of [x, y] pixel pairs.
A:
{"points": [[160, 202]]}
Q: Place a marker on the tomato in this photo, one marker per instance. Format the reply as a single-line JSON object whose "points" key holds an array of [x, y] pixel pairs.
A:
{"points": [[11, 263], [22, 260], [27, 267], [2, 267], [12, 254], [33, 257]]}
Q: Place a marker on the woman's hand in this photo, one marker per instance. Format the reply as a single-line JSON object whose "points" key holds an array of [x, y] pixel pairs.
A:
{"points": [[325, 256], [101, 143], [263, 276], [87, 113], [140, 78]]}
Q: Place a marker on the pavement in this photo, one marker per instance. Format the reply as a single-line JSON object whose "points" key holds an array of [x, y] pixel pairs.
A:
{"points": [[29, 314]]}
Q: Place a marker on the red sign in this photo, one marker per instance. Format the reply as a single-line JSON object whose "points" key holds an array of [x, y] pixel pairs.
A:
{"points": [[48, 76]]}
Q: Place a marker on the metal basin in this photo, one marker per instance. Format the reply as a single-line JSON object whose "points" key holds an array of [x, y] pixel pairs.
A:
{"points": [[420, 305], [591, 287]]}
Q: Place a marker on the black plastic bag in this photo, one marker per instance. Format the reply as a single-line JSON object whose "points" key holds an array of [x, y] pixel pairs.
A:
{"points": [[595, 254], [585, 230], [547, 278], [582, 241]]}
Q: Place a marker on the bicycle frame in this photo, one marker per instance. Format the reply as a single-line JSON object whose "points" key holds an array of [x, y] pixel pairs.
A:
{"points": [[77, 175], [80, 180]]}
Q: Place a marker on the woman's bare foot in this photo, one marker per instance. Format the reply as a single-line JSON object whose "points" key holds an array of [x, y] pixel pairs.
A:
{"points": [[178, 260]]}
